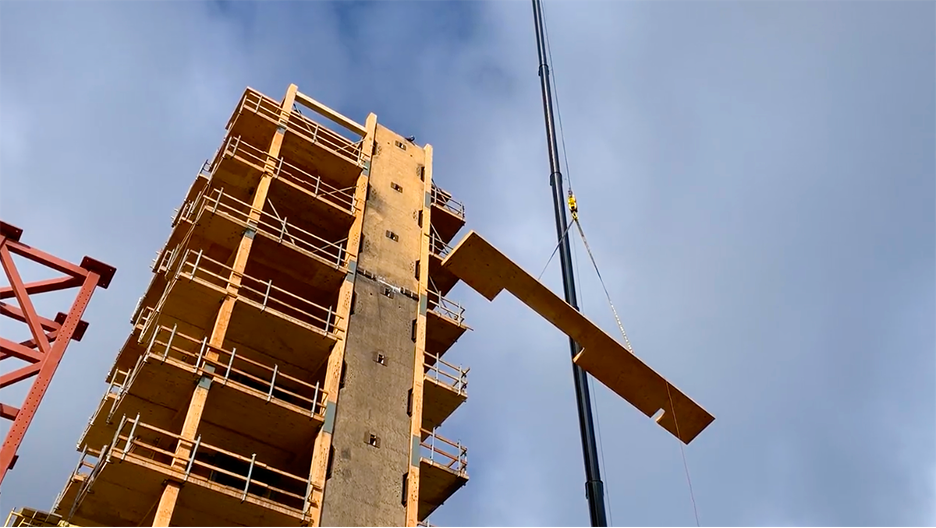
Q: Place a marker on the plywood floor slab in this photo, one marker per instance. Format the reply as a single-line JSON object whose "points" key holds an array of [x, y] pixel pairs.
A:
{"points": [[488, 271]]}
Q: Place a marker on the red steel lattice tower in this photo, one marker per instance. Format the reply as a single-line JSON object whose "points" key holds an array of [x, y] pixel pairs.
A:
{"points": [[50, 337]]}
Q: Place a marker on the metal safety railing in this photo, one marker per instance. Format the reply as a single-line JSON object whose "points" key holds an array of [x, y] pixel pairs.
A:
{"points": [[29, 517], [86, 479], [260, 104], [235, 147], [312, 184], [271, 226], [352, 151], [444, 200], [445, 307], [202, 463], [263, 295], [453, 377], [229, 368], [444, 452], [145, 317], [437, 246]]}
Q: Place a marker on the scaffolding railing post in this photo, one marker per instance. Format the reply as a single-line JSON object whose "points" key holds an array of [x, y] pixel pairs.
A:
{"points": [[272, 382], [188, 467], [130, 437], [169, 342], [266, 296], [253, 460], [84, 453], [123, 420], [308, 493], [152, 339], [231, 362], [315, 399], [201, 353], [195, 266]]}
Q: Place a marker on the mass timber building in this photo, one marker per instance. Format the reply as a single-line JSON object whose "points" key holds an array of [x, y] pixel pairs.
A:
{"points": [[286, 365]]}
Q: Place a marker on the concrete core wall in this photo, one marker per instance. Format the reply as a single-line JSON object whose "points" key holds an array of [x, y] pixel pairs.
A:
{"points": [[372, 439]]}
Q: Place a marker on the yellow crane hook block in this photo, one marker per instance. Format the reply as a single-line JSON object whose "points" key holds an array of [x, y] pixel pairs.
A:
{"points": [[488, 271], [572, 206]]}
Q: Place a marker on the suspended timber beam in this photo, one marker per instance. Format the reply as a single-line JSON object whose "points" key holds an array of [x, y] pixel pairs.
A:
{"points": [[488, 271]]}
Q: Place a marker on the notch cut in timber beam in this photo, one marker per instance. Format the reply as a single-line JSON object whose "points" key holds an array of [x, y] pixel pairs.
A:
{"points": [[330, 114], [488, 271]]}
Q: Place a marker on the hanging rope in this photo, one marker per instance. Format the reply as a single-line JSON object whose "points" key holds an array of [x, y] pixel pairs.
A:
{"points": [[595, 264], [573, 207], [555, 249], [682, 449]]}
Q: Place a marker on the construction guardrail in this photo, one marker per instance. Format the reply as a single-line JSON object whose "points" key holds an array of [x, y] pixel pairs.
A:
{"points": [[314, 185], [29, 517], [437, 246], [235, 147], [316, 133], [263, 295], [270, 226], [254, 101], [447, 374], [129, 445], [253, 377], [444, 200], [445, 307], [444, 452]]}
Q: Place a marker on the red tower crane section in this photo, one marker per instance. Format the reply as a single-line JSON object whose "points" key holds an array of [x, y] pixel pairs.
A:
{"points": [[43, 353]]}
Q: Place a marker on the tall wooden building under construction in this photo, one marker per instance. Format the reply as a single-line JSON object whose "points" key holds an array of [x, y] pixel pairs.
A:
{"points": [[285, 365]]}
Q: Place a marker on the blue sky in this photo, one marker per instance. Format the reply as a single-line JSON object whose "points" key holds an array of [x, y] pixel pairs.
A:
{"points": [[756, 180]]}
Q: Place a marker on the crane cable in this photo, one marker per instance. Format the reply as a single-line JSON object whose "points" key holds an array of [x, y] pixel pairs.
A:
{"points": [[573, 208]]}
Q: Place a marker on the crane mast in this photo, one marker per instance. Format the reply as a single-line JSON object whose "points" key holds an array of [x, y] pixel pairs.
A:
{"points": [[594, 488]]}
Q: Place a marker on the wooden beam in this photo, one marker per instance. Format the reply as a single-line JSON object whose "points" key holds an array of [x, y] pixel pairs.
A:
{"points": [[330, 114], [488, 271]]}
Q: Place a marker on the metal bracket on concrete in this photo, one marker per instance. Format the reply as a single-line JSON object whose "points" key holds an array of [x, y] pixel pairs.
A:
{"points": [[205, 381], [352, 270], [423, 303], [329, 425], [367, 168], [414, 459]]}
